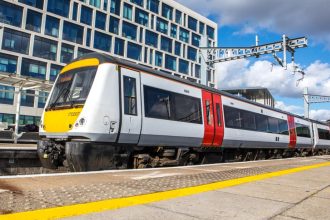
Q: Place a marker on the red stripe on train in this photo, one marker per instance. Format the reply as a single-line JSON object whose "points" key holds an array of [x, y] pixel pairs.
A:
{"points": [[292, 132]]}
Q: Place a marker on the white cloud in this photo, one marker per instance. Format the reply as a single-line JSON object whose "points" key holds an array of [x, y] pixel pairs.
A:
{"points": [[293, 17], [289, 108], [242, 73], [320, 114]]}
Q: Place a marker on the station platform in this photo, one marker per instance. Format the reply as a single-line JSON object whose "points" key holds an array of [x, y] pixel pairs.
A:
{"points": [[295, 188]]}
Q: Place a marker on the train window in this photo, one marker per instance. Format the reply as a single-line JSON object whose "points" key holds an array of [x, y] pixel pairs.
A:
{"points": [[157, 103], [323, 134], [283, 127], [303, 130], [130, 96], [217, 106], [248, 120], [186, 108], [168, 105], [273, 125], [232, 117], [208, 113], [262, 123]]}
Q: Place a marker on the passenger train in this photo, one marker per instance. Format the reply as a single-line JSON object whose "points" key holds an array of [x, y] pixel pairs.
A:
{"points": [[107, 113]]}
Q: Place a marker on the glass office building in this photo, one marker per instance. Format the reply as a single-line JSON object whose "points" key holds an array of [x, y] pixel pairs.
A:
{"points": [[38, 37]]}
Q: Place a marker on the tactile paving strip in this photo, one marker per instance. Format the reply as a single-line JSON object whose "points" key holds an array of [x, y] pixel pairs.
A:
{"points": [[15, 200]]}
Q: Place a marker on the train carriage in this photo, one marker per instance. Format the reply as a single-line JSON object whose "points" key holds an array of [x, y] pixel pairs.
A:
{"points": [[105, 113]]}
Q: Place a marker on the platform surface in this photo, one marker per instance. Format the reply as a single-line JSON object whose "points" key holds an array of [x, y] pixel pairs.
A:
{"points": [[297, 188]]}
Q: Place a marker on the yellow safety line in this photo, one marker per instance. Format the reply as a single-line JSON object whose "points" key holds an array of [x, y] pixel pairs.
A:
{"points": [[110, 204]]}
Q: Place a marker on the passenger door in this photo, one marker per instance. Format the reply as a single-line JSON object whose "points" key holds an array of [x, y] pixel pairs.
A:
{"points": [[208, 119], [130, 107], [218, 120]]}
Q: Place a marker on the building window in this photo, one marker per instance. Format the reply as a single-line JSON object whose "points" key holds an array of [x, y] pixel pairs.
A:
{"points": [[119, 46], [95, 3], [158, 59], [162, 26], [153, 5], [100, 20], [170, 62], [115, 7], [74, 11], [28, 120], [173, 30], [86, 15], [44, 48], [129, 30], [35, 3], [59, 7], [192, 54], [127, 11], [183, 66], [9, 118], [7, 95], [54, 71], [52, 26], [33, 21], [88, 37], [178, 17], [27, 98], [130, 96], [8, 63], [201, 28], [105, 5], [42, 98], [73, 32], [137, 2], [167, 11], [192, 23], [141, 17], [10, 14], [134, 51], [166, 44], [33, 68], [151, 39], [197, 71], [102, 41], [177, 50], [195, 40], [184, 35], [210, 32], [66, 53], [114, 25], [15, 41], [82, 52]]}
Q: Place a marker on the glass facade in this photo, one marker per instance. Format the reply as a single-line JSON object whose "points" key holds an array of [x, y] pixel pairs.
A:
{"points": [[66, 53], [33, 68], [8, 63], [33, 21], [59, 7], [44, 48], [15, 41], [7, 95], [10, 14], [27, 98], [52, 26], [102, 41], [39, 37]]}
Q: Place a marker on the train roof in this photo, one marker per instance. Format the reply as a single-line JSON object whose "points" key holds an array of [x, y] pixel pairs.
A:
{"points": [[105, 58]]}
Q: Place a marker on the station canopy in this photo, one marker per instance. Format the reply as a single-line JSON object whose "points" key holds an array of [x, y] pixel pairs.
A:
{"points": [[25, 82]]}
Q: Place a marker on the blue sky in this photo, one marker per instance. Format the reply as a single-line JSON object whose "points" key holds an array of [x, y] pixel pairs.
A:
{"points": [[238, 23]]}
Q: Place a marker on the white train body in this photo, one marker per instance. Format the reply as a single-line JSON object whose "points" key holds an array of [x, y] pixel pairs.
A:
{"points": [[126, 106]]}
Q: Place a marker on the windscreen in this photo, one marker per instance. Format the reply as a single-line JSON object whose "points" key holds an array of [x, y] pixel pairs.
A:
{"points": [[72, 88]]}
